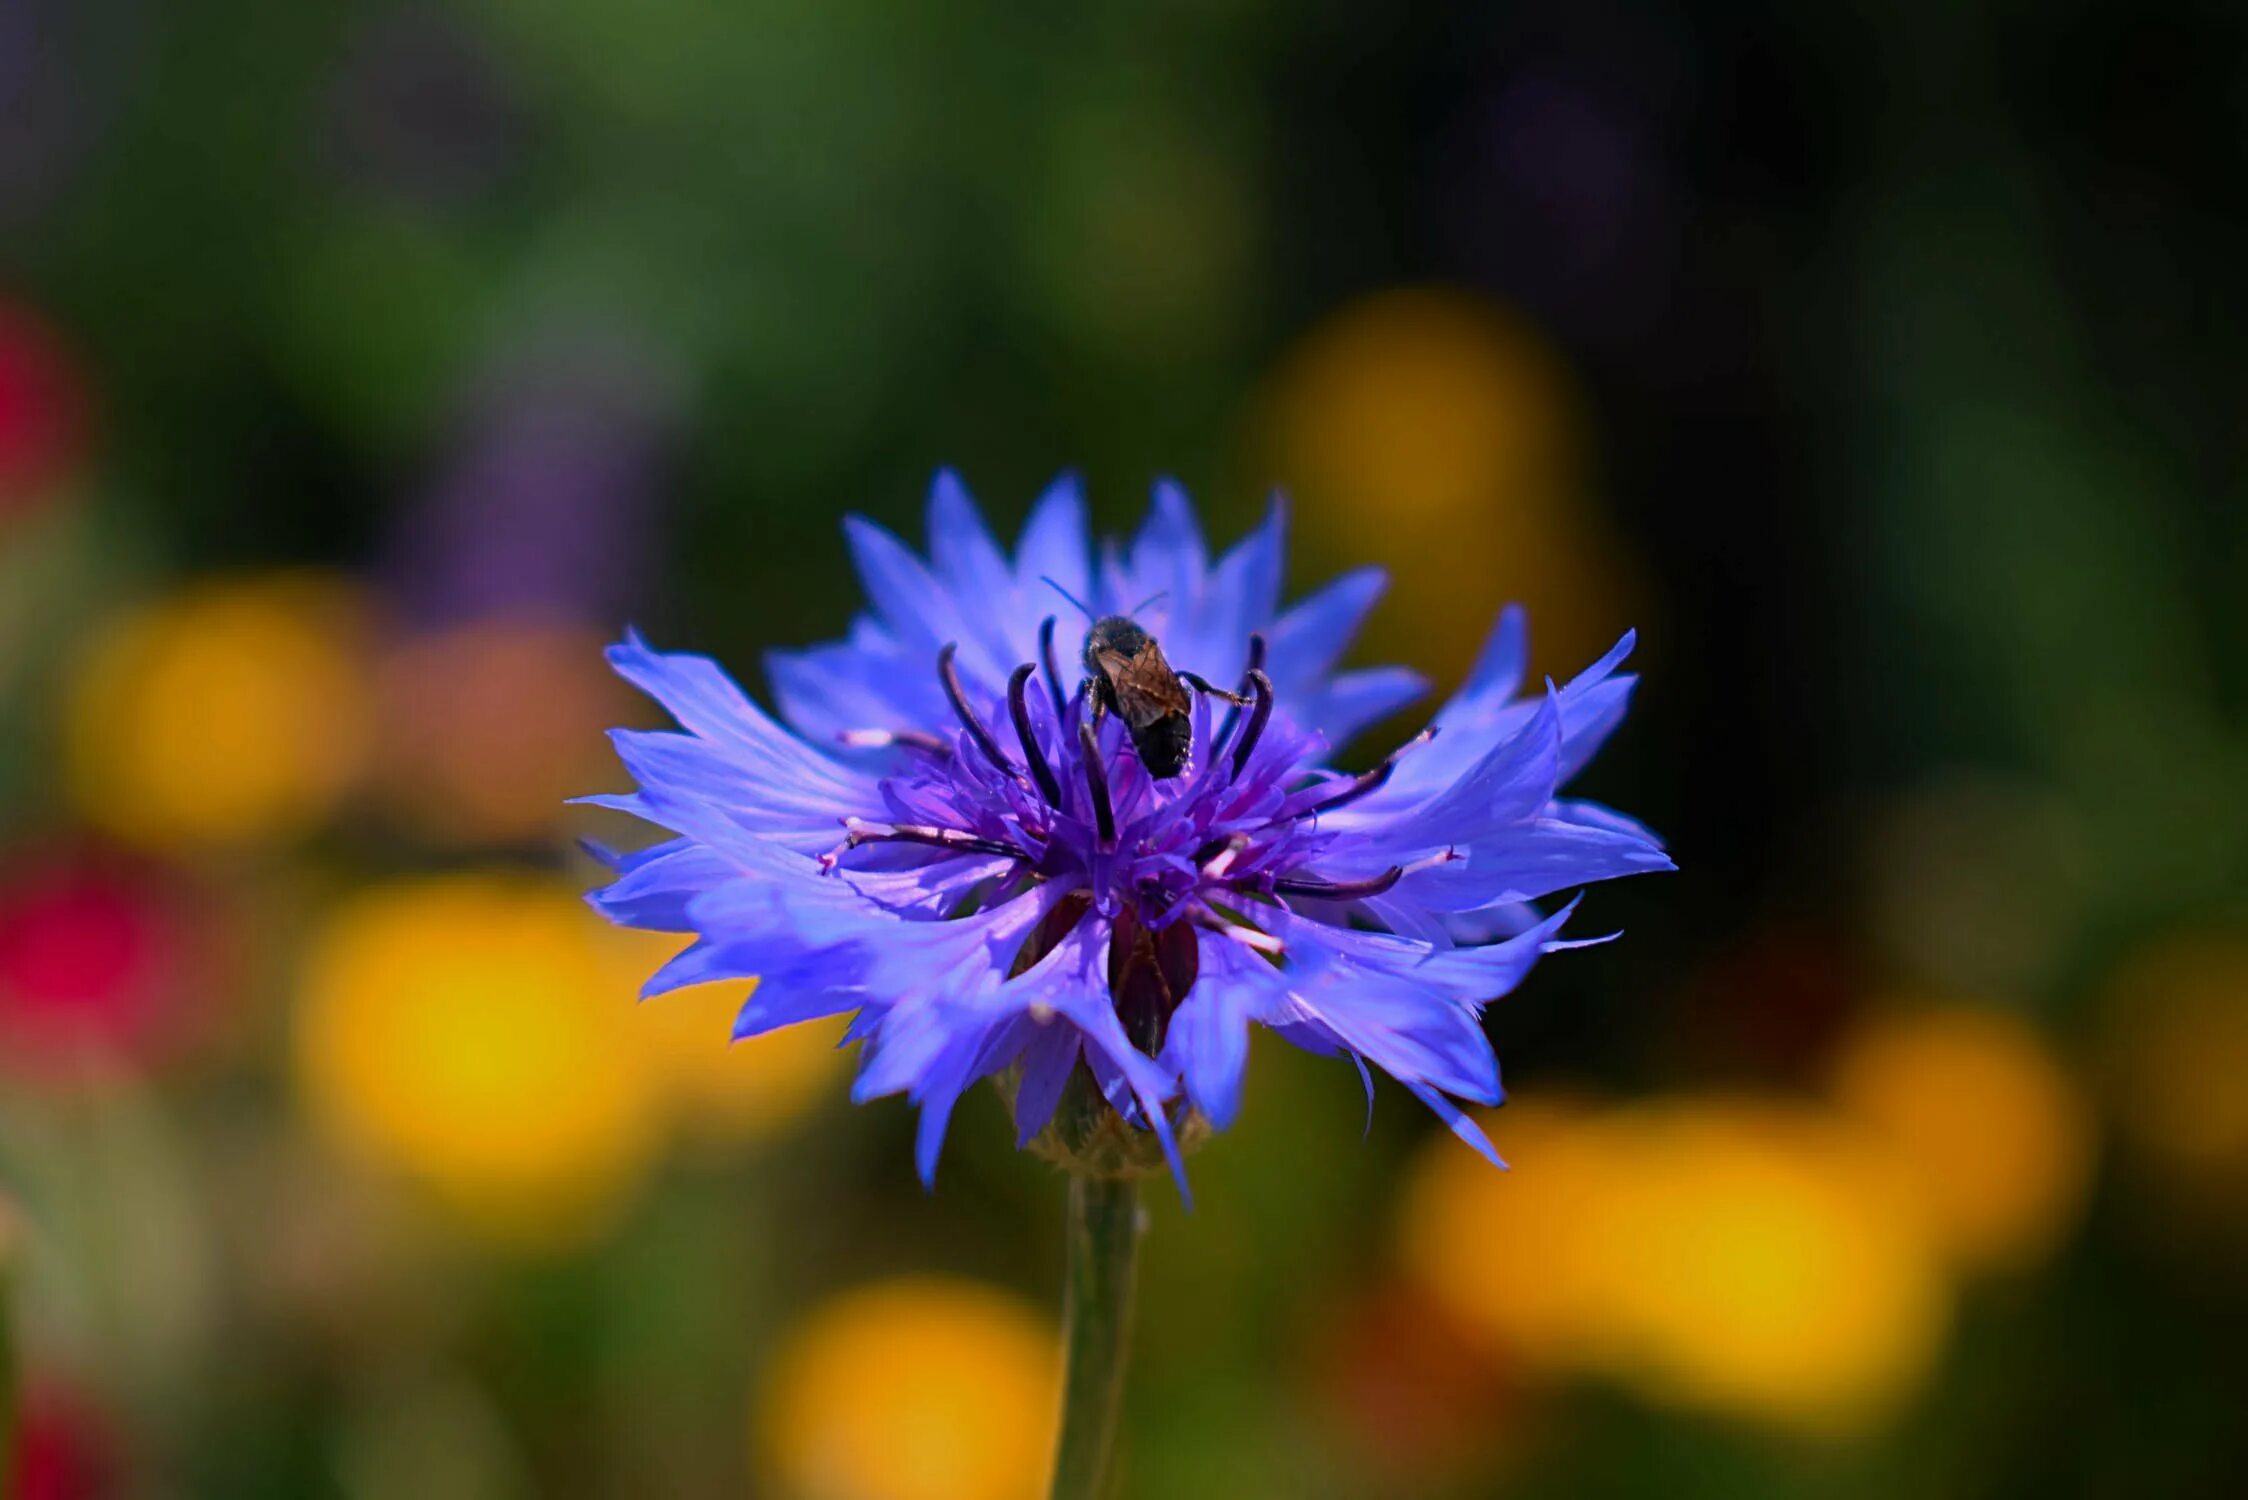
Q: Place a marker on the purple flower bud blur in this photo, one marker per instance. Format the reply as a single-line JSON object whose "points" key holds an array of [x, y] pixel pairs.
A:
{"points": [[548, 503]]}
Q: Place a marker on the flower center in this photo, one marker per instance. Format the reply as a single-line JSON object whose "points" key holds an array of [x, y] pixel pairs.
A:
{"points": [[1160, 862]]}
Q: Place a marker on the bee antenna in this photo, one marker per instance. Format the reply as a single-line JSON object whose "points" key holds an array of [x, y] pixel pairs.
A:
{"points": [[1066, 594], [1157, 597]]}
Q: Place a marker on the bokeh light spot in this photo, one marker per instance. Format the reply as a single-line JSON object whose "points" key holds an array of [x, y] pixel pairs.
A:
{"points": [[237, 712], [922, 1388], [1510, 1257], [1737, 1255], [733, 1091], [487, 728], [1405, 1392], [99, 964], [1766, 1261], [468, 1030], [42, 410], [1434, 433], [2177, 1017], [65, 1448], [1996, 1135]]}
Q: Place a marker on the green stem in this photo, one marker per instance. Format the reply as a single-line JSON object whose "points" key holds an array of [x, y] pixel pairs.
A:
{"points": [[1104, 1242]]}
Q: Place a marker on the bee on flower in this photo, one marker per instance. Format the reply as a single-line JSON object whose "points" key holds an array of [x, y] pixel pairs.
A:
{"points": [[1090, 883]]}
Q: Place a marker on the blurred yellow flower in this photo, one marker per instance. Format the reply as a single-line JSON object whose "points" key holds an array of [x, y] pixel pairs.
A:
{"points": [[721, 1089], [2177, 1023], [470, 1030], [1510, 1255], [1432, 432], [482, 1033], [1730, 1254], [1998, 1139], [234, 712], [921, 1388], [1767, 1261]]}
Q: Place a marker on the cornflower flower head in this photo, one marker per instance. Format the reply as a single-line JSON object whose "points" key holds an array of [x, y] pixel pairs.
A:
{"points": [[946, 834]]}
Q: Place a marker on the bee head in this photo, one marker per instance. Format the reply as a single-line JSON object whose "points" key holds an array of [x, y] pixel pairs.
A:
{"points": [[1119, 633]]}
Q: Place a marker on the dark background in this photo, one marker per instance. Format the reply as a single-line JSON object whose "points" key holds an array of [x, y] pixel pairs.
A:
{"points": [[1884, 368]]}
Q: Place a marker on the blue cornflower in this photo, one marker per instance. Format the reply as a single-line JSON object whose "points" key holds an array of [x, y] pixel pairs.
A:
{"points": [[941, 835]]}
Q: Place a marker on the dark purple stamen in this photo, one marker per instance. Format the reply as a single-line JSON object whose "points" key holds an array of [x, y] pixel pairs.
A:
{"points": [[1347, 890], [1053, 671], [1096, 782], [1371, 781], [1256, 663], [1258, 717], [1018, 707], [858, 833], [974, 725]]}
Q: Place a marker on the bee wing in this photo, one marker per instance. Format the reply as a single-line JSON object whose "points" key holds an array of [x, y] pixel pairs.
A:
{"points": [[1146, 688]]}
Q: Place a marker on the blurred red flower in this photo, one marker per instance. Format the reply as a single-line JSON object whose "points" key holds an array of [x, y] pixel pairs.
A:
{"points": [[42, 408], [1406, 1392], [98, 961], [65, 1450]]}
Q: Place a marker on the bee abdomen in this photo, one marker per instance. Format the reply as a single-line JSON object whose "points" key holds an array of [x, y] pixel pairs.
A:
{"points": [[1164, 745]]}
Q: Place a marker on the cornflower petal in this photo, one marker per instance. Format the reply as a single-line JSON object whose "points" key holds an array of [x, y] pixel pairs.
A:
{"points": [[955, 854]]}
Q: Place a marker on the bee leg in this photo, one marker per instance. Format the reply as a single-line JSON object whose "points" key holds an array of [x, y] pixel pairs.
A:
{"points": [[1098, 699], [1238, 700], [1256, 664]]}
